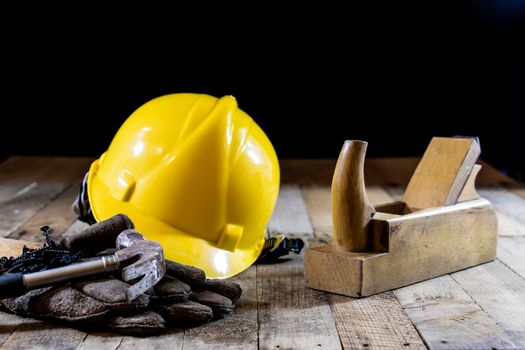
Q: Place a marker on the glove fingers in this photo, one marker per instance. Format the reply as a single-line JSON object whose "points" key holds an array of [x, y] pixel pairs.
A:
{"points": [[144, 323], [98, 236], [169, 290], [188, 274], [227, 288], [141, 277], [186, 313], [111, 292], [61, 303], [20, 305], [220, 305], [184, 297]]}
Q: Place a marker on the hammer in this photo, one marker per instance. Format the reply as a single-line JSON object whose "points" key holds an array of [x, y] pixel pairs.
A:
{"points": [[136, 256]]}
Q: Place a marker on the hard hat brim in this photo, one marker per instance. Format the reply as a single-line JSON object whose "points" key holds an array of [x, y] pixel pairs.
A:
{"points": [[178, 246]]}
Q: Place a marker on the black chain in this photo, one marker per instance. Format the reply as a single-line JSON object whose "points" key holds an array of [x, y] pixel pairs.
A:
{"points": [[49, 256]]}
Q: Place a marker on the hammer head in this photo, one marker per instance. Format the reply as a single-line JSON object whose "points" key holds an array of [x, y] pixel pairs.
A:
{"points": [[141, 258]]}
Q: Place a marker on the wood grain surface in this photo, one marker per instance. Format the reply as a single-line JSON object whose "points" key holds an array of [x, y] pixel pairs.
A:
{"points": [[481, 307]]}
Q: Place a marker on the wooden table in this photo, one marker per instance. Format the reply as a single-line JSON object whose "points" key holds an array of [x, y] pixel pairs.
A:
{"points": [[478, 308]]}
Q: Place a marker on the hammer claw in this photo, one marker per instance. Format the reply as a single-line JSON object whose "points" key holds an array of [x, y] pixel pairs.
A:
{"points": [[152, 272], [133, 271], [138, 269], [142, 286], [150, 266]]}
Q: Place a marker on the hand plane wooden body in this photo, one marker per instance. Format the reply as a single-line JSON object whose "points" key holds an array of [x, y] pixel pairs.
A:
{"points": [[441, 226]]}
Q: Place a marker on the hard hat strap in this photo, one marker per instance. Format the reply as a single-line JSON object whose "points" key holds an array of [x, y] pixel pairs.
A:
{"points": [[278, 246], [81, 205]]}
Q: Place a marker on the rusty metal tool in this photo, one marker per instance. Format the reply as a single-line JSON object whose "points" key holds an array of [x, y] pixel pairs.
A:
{"points": [[136, 257]]}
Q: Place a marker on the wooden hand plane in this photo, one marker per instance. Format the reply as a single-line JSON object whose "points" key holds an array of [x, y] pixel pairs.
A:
{"points": [[441, 226]]}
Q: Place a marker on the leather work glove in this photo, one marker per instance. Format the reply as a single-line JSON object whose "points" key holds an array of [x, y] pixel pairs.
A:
{"points": [[183, 298]]}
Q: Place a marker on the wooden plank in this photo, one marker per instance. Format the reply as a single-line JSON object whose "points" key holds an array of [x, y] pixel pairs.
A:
{"points": [[22, 168], [290, 216], [43, 181], [8, 323], [42, 335], [101, 341], [508, 226], [361, 323], [13, 247], [27, 185], [129, 342], [22, 207], [510, 252], [376, 322], [517, 189], [389, 171], [10, 189], [447, 317], [500, 292], [490, 176], [307, 171], [319, 206], [57, 214], [43, 169], [378, 171], [378, 195], [291, 315], [506, 202], [395, 192], [236, 331], [173, 339]]}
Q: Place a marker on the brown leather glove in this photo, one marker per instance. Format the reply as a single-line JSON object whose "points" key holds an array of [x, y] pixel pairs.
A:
{"points": [[183, 298]]}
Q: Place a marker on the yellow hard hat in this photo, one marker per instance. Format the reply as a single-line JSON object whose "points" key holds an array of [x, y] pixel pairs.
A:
{"points": [[194, 173]]}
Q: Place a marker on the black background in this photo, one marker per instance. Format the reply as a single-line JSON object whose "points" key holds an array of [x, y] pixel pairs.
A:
{"points": [[310, 76]]}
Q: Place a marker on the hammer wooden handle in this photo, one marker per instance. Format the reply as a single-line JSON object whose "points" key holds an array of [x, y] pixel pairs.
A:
{"points": [[351, 210]]}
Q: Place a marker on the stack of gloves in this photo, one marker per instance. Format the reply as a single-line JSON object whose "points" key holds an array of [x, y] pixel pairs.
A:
{"points": [[183, 298]]}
